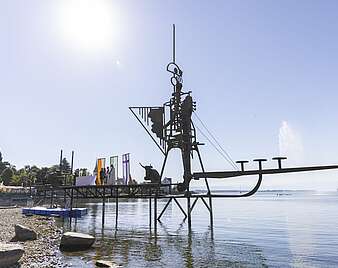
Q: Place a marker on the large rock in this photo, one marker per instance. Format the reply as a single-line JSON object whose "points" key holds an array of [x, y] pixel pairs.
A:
{"points": [[23, 233], [71, 241], [10, 254], [109, 264]]}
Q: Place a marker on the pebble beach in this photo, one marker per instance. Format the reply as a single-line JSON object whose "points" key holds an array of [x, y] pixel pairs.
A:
{"points": [[43, 252]]}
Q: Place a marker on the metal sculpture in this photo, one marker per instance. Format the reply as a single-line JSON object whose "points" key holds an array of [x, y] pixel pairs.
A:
{"points": [[179, 132]]}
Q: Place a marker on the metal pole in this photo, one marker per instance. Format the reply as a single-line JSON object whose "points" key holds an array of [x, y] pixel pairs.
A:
{"points": [[150, 218], [71, 207], [164, 209], [174, 52], [103, 206], [163, 165], [61, 161], [210, 211], [155, 213], [72, 163], [189, 210], [116, 206], [209, 192], [180, 207]]}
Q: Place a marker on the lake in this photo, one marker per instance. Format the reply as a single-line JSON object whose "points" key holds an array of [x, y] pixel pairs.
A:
{"points": [[296, 229]]}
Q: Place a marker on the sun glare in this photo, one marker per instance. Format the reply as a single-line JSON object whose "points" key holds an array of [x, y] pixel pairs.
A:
{"points": [[88, 24]]}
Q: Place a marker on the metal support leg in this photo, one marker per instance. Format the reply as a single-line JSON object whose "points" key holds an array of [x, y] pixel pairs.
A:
{"points": [[155, 213], [116, 207], [71, 206], [189, 211], [150, 218], [193, 204], [210, 211], [180, 207], [209, 192], [103, 206]]}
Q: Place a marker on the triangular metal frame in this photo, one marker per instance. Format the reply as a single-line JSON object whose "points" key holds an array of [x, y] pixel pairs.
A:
{"points": [[141, 114]]}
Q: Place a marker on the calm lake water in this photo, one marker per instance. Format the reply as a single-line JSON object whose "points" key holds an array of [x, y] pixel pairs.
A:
{"points": [[266, 230]]}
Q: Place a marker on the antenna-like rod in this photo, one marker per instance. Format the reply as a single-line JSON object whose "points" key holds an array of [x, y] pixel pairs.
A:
{"points": [[174, 56]]}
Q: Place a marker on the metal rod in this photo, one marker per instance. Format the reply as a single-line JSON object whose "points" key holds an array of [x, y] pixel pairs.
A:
{"points": [[211, 212], [164, 209], [103, 206], [71, 205], [202, 166], [150, 218], [130, 108], [205, 203], [194, 203], [174, 44], [72, 168], [116, 207], [189, 211], [155, 213], [180, 207], [61, 162], [163, 165]]}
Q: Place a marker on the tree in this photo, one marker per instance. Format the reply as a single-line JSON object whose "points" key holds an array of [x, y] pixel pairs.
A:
{"points": [[7, 176], [65, 166], [41, 175], [3, 165]]}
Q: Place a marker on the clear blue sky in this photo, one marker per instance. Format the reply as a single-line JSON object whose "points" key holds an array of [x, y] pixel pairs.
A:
{"points": [[251, 65]]}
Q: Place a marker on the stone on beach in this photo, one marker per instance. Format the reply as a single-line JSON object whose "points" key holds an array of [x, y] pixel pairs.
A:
{"points": [[109, 264], [23, 233], [10, 254], [72, 241]]}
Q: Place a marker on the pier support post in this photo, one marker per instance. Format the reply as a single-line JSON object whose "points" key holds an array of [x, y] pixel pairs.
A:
{"points": [[116, 206], [103, 206], [155, 213], [189, 210], [71, 207], [210, 211], [150, 218]]}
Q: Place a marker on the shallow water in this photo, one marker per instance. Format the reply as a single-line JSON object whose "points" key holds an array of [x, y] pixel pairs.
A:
{"points": [[296, 230]]}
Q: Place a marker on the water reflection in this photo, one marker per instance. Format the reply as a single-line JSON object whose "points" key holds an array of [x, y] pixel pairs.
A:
{"points": [[141, 249]]}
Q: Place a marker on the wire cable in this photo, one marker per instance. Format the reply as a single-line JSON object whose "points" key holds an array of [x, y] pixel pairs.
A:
{"points": [[224, 153], [216, 148]]}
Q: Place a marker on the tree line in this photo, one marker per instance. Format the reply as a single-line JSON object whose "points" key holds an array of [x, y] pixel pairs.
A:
{"points": [[10, 175]]}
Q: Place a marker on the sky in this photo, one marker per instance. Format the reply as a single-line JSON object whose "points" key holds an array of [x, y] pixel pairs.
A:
{"points": [[263, 74]]}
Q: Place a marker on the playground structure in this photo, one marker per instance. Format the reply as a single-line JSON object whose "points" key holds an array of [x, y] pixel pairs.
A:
{"points": [[171, 126]]}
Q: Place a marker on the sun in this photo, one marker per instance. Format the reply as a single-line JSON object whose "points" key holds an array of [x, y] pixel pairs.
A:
{"points": [[88, 25]]}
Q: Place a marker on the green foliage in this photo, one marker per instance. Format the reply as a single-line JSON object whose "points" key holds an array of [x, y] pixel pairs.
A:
{"points": [[65, 166], [3, 165], [7, 176], [31, 175]]}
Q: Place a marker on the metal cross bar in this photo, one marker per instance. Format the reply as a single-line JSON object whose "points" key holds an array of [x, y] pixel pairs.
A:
{"points": [[193, 204], [165, 207], [179, 205]]}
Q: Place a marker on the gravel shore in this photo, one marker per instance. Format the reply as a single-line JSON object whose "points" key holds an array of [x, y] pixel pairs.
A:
{"points": [[43, 252]]}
